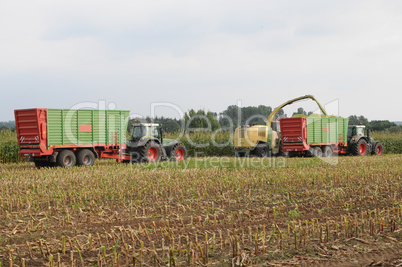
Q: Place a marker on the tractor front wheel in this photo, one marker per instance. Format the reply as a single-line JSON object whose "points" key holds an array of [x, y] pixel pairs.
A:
{"points": [[378, 149], [178, 153]]}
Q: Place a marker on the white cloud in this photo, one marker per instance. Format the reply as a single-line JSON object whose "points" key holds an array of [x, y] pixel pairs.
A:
{"points": [[202, 54]]}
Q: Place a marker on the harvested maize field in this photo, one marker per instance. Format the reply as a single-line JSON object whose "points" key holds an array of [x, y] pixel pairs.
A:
{"points": [[204, 211]]}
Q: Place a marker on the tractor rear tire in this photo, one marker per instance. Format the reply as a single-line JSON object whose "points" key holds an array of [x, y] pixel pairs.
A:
{"points": [[359, 148], [178, 153], [327, 151], [377, 149], [151, 152], [317, 152], [66, 158], [261, 150], [85, 157]]}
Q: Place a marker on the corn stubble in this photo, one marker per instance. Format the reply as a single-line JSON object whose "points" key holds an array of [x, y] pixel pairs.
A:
{"points": [[118, 215]]}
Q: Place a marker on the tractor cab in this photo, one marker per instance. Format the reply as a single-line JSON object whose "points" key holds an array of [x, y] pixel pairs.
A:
{"points": [[143, 130], [356, 131]]}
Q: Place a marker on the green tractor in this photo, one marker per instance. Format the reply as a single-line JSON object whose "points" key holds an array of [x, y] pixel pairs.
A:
{"points": [[361, 144], [146, 144]]}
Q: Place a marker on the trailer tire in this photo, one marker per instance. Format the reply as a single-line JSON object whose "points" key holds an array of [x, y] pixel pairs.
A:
{"points": [[85, 157], [377, 149], [151, 152], [178, 153], [66, 158], [317, 152], [262, 150], [327, 151], [359, 148]]}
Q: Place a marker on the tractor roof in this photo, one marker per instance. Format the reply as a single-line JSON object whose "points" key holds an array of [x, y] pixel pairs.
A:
{"points": [[146, 124]]}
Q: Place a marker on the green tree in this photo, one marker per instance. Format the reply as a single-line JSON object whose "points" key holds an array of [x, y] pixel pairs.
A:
{"points": [[300, 111]]}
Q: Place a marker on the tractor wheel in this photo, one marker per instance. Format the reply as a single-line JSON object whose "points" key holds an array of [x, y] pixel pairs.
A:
{"points": [[359, 148], [66, 158], [378, 149], [317, 152], [327, 151], [261, 150], [151, 152], [85, 157], [178, 153]]}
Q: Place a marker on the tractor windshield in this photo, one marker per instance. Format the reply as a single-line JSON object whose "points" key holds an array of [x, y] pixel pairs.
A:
{"points": [[360, 131], [140, 131], [353, 130]]}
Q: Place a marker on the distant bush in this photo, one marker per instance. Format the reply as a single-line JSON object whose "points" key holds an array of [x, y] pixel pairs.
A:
{"points": [[392, 142]]}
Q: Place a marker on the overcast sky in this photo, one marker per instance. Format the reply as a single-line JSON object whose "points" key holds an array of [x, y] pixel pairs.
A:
{"points": [[201, 54]]}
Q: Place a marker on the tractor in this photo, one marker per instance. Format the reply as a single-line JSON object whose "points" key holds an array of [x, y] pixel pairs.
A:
{"points": [[147, 144], [361, 144]]}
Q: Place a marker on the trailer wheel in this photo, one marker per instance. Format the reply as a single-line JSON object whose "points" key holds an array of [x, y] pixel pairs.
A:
{"points": [[151, 152], [261, 150], [66, 158], [317, 152], [359, 148], [378, 149], [178, 153], [85, 157], [327, 151]]}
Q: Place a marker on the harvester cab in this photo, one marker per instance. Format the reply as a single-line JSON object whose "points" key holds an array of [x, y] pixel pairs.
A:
{"points": [[146, 143], [360, 142]]}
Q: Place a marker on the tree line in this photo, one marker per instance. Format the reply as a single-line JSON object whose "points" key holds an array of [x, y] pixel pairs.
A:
{"points": [[234, 116]]}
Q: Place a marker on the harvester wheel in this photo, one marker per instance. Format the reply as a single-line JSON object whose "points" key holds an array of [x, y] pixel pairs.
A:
{"points": [[151, 152], [85, 157], [262, 150], [327, 151], [359, 148], [66, 158], [317, 152], [178, 153], [378, 149]]}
